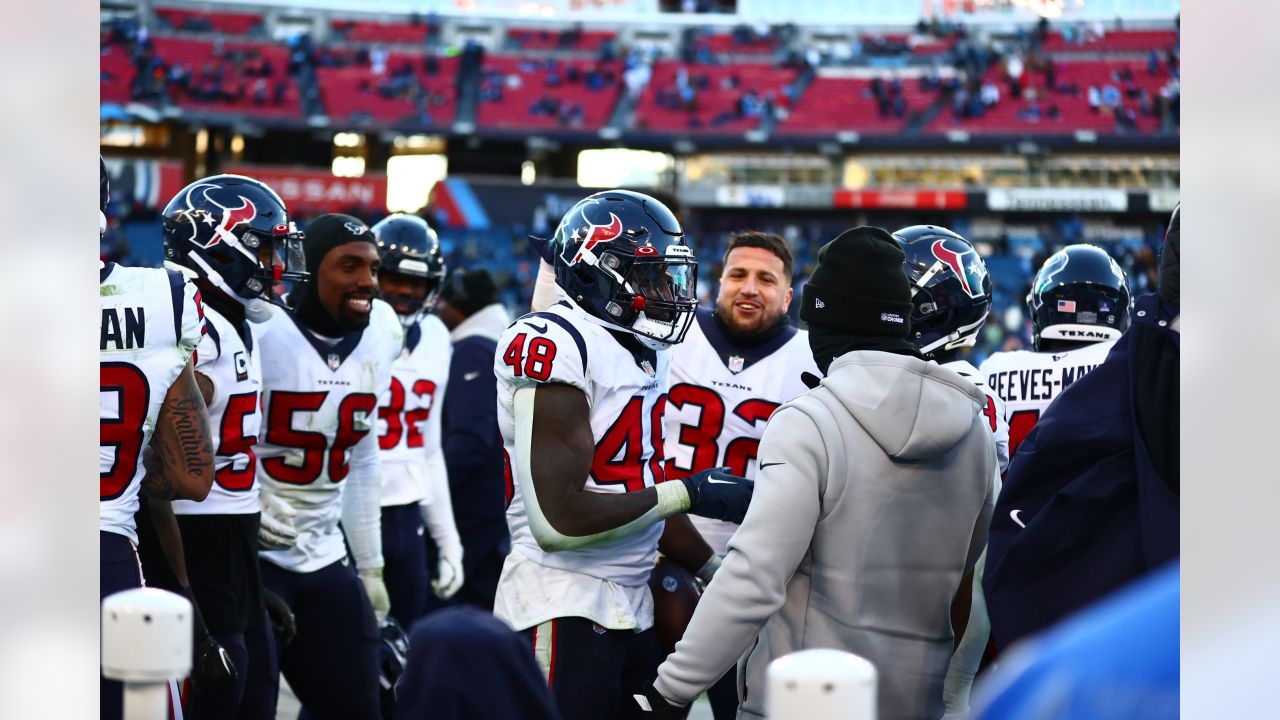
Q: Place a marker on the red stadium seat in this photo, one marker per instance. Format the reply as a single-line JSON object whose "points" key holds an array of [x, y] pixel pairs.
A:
{"points": [[833, 104], [550, 39], [195, 55], [713, 101], [513, 110], [230, 23], [354, 89]]}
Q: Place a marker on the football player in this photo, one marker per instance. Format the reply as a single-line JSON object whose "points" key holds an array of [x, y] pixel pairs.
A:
{"points": [[324, 363], [1079, 304], [581, 392], [950, 299], [415, 481], [152, 418], [740, 362], [469, 307], [232, 236]]}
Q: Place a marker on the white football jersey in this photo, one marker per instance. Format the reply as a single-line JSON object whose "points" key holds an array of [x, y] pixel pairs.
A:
{"points": [[1028, 381], [231, 364], [409, 417], [319, 403], [152, 320], [625, 397], [994, 409], [719, 400]]}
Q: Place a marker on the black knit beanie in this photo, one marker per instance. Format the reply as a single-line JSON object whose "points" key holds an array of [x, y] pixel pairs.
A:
{"points": [[322, 234], [858, 298], [470, 291]]}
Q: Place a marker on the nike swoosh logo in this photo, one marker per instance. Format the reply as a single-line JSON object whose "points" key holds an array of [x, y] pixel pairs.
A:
{"points": [[1014, 514], [765, 465], [721, 482], [471, 375], [540, 330]]}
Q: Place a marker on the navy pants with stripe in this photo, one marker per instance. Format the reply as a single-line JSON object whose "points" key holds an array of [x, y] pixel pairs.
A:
{"points": [[405, 558], [119, 570], [332, 663], [591, 670]]}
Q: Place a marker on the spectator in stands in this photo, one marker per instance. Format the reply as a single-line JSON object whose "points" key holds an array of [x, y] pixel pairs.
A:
{"points": [[990, 94], [1095, 98], [1111, 97], [378, 60], [899, 106]]}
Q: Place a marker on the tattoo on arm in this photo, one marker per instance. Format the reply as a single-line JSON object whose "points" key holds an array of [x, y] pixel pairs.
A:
{"points": [[183, 444]]}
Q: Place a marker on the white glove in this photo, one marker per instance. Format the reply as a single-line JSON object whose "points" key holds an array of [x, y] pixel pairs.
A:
{"points": [[276, 530], [377, 592], [448, 571]]}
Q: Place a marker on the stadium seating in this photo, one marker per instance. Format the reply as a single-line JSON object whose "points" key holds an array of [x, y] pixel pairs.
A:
{"points": [[390, 32], [514, 107], [1075, 110], [715, 107], [1116, 41], [832, 104], [229, 23], [116, 73], [354, 90], [237, 57], [550, 39], [726, 43]]}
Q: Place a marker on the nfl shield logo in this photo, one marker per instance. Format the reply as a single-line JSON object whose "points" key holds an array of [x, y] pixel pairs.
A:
{"points": [[646, 366], [334, 361], [735, 363]]}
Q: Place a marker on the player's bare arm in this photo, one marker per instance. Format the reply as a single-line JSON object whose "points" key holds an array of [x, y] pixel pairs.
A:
{"points": [[682, 542], [206, 387], [562, 435], [170, 537], [181, 464]]}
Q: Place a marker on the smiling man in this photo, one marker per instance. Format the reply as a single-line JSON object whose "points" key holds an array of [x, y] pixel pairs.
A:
{"points": [[739, 363], [325, 362]]}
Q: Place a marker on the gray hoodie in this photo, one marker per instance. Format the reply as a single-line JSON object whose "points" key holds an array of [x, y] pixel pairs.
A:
{"points": [[872, 502]]}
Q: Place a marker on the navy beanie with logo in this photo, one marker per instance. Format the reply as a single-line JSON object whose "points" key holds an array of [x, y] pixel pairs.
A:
{"points": [[859, 287]]}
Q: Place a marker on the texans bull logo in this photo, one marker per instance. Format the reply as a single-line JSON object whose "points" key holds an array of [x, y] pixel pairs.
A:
{"points": [[596, 234], [231, 218], [970, 277]]}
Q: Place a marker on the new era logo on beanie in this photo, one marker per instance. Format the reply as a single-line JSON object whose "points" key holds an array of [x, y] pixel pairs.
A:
{"points": [[859, 286]]}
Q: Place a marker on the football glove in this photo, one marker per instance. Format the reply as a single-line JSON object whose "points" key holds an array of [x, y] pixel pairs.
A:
{"points": [[376, 589], [282, 623], [276, 530], [448, 571], [650, 705], [716, 494], [212, 670]]}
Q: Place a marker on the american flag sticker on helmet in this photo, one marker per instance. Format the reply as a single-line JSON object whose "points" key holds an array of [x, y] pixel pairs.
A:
{"points": [[1066, 306]]}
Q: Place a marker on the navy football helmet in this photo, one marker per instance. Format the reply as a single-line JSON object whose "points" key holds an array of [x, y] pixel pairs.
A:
{"points": [[623, 258], [950, 288], [408, 246], [1080, 295], [234, 231], [393, 651]]}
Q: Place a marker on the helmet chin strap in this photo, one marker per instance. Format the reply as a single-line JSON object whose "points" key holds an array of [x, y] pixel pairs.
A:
{"points": [[256, 310]]}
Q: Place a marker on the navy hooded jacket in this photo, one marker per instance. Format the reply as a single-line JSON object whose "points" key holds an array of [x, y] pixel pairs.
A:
{"points": [[1096, 483], [464, 664]]}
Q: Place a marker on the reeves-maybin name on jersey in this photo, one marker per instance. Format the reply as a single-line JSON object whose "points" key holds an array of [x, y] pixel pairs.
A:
{"points": [[319, 404], [1028, 381], [152, 321], [719, 401], [606, 582], [231, 364], [409, 414]]}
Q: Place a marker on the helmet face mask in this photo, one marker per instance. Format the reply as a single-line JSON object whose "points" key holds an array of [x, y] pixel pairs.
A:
{"points": [[1080, 295], [234, 231], [950, 288], [409, 248], [621, 256]]}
